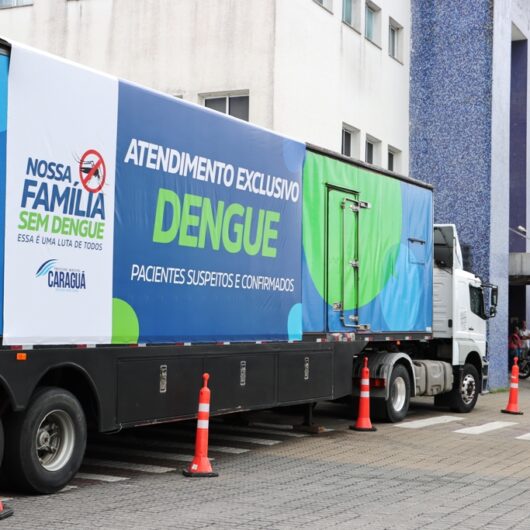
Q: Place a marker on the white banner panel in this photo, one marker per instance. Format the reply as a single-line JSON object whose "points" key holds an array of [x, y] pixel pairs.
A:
{"points": [[61, 148]]}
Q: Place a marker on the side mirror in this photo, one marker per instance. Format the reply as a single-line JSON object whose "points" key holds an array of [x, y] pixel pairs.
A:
{"points": [[494, 297]]}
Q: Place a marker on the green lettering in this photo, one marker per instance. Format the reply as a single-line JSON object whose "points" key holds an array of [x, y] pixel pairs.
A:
{"points": [[270, 234], [233, 246], [56, 224], [170, 198], [253, 248], [188, 219], [208, 222], [23, 216], [33, 221]]}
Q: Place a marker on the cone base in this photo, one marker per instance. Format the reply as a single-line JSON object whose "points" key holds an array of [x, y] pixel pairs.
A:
{"points": [[6, 512], [369, 429], [187, 473], [506, 411]]}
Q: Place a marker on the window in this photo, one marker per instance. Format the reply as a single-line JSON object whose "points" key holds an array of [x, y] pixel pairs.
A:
{"points": [[394, 38], [347, 12], [369, 155], [350, 141], [351, 13], [346, 142], [328, 4], [371, 22], [372, 150], [393, 159], [476, 300], [236, 106], [15, 3]]}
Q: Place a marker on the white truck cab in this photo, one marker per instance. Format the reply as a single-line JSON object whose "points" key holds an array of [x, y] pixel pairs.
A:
{"points": [[451, 365], [459, 303]]}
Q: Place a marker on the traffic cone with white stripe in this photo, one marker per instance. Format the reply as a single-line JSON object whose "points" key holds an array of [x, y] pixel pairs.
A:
{"points": [[513, 399], [5, 511], [363, 422], [200, 465]]}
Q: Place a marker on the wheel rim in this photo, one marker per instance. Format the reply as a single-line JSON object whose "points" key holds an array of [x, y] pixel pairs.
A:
{"points": [[55, 440], [468, 389], [398, 394]]}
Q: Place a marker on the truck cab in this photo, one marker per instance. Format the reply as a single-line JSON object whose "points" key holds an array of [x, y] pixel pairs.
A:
{"points": [[459, 304]]}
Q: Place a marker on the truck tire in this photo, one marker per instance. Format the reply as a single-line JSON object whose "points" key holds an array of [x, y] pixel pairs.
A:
{"points": [[463, 397], [395, 408], [45, 444]]}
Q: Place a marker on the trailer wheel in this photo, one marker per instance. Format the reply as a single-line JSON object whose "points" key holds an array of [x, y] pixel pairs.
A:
{"points": [[463, 397], [395, 408], [45, 444]]}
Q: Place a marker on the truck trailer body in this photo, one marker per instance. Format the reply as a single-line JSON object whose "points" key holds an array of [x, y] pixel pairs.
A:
{"points": [[146, 240]]}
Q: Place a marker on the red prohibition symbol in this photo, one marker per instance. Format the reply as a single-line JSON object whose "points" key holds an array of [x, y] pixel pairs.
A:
{"points": [[92, 171]]}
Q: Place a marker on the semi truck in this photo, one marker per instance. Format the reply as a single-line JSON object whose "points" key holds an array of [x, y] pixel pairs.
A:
{"points": [[146, 240]]}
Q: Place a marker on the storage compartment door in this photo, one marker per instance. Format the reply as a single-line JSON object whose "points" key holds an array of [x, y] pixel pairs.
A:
{"points": [[342, 275]]}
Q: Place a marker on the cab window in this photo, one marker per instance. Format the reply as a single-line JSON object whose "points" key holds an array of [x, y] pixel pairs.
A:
{"points": [[476, 301]]}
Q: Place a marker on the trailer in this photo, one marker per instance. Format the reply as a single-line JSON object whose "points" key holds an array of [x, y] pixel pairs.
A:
{"points": [[146, 240]]}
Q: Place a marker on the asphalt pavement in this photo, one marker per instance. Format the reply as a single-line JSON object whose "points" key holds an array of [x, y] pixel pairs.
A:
{"points": [[435, 470]]}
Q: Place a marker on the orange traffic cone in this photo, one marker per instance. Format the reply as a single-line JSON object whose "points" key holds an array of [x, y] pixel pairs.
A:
{"points": [[200, 465], [363, 422], [5, 511], [513, 399]]}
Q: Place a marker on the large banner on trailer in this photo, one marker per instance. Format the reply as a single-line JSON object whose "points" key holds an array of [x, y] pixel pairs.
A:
{"points": [[61, 148], [135, 217]]}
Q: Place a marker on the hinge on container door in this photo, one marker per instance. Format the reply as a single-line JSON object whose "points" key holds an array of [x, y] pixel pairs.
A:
{"points": [[337, 306], [354, 264], [355, 319], [363, 327]]}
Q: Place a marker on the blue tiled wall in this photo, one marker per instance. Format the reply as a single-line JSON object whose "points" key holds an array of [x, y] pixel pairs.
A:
{"points": [[450, 127]]}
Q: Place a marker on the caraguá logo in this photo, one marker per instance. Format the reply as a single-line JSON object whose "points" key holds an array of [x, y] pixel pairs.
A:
{"points": [[61, 278]]}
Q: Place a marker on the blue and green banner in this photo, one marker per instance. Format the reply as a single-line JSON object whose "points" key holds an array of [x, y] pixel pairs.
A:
{"points": [[134, 217]]}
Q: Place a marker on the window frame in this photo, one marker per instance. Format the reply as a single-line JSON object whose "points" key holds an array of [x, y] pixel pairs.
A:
{"points": [[397, 29], [227, 96], [375, 36], [396, 154], [376, 150], [367, 143]]}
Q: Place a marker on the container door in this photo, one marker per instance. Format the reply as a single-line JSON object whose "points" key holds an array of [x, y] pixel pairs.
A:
{"points": [[342, 275]]}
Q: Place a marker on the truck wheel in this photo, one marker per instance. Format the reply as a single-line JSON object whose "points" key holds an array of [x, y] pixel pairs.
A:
{"points": [[463, 397], [395, 408], [45, 444]]}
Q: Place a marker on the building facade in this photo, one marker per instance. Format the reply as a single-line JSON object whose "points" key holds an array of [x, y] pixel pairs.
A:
{"points": [[469, 115], [305, 68], [347, 75]]}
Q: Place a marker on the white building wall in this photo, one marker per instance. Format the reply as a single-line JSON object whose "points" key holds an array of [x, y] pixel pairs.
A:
{"points": [[327, 73], [305, 70]]}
